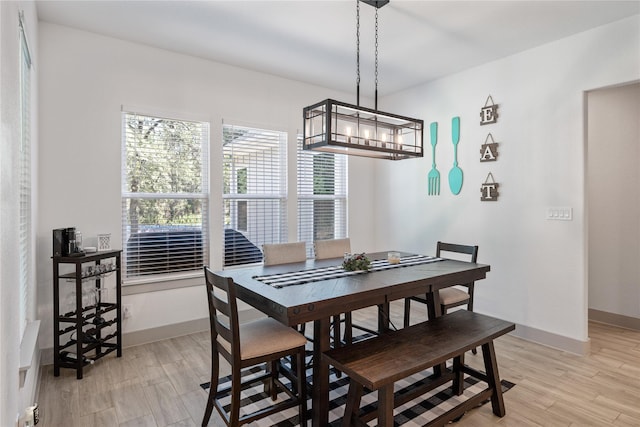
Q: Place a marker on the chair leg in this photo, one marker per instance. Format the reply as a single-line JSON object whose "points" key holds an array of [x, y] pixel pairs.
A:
{"points": [[470, 308], [209, 409], [337, 332], [348, 328], [301, 373], [272, 383], [213, 390], [236, 386], [336, 338]]}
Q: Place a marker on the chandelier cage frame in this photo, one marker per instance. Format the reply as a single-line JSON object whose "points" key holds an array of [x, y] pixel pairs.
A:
{"points": [[338, 127]]}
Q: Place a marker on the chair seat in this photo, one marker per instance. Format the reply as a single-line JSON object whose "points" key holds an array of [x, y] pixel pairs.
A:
{"points": [[265, 336], [452, 296]]}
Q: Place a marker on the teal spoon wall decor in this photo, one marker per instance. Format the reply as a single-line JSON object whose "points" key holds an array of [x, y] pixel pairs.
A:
{"points": [[455, 174]]}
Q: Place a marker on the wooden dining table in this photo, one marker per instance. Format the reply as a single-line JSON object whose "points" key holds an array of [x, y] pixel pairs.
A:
{"points": [[317, 301]]}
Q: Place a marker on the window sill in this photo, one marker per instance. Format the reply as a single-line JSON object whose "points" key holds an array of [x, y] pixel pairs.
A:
{"points": [[28, 349], [162, 283]]}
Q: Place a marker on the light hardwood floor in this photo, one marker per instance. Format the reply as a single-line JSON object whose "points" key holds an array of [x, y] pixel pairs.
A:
{"points": [[157, 384]]}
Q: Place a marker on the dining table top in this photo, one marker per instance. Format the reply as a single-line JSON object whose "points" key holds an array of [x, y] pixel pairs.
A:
{"points": [[305, 302]]}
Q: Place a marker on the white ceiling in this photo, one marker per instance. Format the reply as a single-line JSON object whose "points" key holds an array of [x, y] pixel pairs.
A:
{"points": [[315, 41]]}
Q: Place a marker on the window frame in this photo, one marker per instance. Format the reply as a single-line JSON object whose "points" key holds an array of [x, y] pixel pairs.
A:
{"points": [[305, 167], [269, 193], [186, 278], [25, 185]]}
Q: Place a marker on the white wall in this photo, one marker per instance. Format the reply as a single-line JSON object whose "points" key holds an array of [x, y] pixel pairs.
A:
{"points": [[85, 78], [614, 200], [538, 266], [13, 398], [538, 276]]}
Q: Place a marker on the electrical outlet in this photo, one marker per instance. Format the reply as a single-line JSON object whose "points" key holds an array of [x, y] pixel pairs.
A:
{"points": [[126, 311], [30, 418]]}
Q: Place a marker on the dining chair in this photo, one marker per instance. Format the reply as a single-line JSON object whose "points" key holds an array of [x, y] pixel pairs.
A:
{"points": [[336, 248], [262, 341], [332, 248], [284, 253], [450, 297]]}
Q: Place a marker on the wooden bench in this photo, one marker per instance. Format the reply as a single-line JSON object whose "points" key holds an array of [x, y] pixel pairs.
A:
{"points": [[379, 362]]}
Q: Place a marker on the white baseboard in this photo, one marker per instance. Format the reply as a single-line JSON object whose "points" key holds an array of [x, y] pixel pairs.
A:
{"points": [[145, 336], [549, 339], [614, 319]]}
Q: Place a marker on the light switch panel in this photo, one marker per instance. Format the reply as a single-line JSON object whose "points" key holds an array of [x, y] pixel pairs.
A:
{"points": [[560, 213]]}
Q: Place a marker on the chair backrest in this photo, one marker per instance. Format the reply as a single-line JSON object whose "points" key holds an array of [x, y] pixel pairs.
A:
{"points": [[223, 315], [472, 251], [334, 248], [284, 253]]}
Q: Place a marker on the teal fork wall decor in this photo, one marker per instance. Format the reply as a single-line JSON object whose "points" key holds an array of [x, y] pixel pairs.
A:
{"points": [[455, 174], [433, 178]]}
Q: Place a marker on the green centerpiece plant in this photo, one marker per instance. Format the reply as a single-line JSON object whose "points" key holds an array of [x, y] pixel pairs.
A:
{"points": [[356, 262]]}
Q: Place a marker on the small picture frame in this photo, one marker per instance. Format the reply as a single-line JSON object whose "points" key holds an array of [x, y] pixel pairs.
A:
{"points": [[104, 242]]}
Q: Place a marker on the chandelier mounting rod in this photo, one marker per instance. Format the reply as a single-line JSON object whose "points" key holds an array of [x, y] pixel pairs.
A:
{"points": [[377, 4]]}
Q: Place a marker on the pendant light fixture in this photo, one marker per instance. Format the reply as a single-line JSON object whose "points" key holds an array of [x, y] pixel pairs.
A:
{"points": [[337, 127]]}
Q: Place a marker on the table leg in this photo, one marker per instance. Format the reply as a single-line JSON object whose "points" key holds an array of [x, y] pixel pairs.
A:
{"points": [[320, 394], [433, 304], [383, 317], [434, 310]]}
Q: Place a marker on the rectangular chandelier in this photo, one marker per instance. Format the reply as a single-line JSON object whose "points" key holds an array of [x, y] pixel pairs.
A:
{"points": [[336, 127]]}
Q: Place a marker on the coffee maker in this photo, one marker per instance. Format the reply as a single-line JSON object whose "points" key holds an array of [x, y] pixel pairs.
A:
{"points": [[65, 243]]}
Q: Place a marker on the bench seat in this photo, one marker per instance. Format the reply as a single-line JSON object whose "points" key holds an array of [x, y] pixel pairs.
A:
{"points": [[379, 362]]}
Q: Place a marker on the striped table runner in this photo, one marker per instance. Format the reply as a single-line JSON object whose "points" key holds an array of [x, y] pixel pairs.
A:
{"points": [[282, 280]]}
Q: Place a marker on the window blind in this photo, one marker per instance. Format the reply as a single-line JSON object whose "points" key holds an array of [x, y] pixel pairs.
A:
{"points": [[25, 223], [254, 192], [165, 195], [322, 196]]}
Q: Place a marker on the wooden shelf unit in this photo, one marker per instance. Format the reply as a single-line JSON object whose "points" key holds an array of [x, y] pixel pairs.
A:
{"points": [[87, 332]]}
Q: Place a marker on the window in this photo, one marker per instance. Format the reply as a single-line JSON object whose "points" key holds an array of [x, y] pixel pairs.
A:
{"points": [[322, 196], [255, 192], [165, 195], [25, 224]]}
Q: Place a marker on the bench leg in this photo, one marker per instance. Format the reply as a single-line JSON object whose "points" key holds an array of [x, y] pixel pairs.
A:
{"points": [[352, 407], [385, 406], [493, 378]]}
